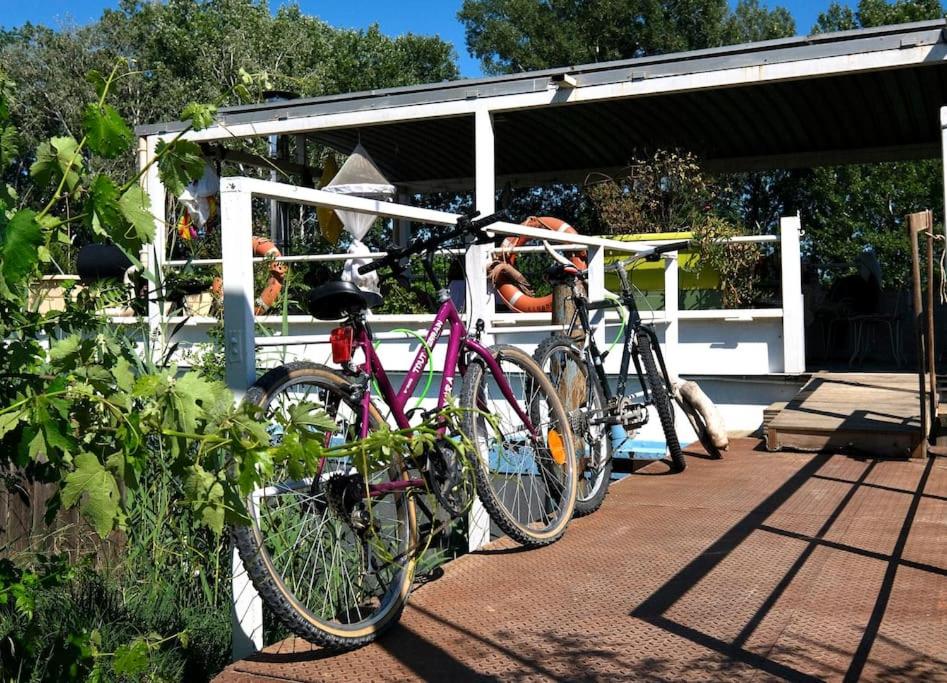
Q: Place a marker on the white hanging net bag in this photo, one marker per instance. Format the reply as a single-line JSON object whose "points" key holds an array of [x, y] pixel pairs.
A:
{"points": [[360, 177]]}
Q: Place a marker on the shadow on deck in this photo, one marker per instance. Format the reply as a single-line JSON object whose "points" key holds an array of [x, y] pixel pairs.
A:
{"points": [[759, 566]]}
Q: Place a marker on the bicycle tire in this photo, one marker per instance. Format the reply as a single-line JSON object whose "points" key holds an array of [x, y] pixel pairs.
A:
{"points": [[593, 481], [661, 400], [475, 398], [272, 585]]}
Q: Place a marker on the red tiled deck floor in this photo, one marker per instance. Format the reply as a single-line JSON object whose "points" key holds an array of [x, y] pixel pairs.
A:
{"points": [[762, 566]]}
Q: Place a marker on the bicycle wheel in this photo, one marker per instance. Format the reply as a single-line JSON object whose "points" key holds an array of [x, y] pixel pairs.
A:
{"points": [[661, 400], [527, 486], [581, 396], [334, 565]]}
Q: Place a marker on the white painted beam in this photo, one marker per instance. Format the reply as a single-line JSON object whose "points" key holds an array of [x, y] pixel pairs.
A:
{"points": [[304, 195]]}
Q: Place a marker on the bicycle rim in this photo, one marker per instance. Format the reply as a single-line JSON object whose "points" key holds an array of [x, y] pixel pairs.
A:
{"points": [[566, 368], [338, 564], [528, 486]]}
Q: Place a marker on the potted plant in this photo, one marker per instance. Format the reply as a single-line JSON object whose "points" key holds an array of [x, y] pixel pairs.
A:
{"points": [[668, 197]]}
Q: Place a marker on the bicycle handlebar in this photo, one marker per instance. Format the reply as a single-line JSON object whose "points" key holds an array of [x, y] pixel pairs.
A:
{"points": [[465, 226], [651, 254]]}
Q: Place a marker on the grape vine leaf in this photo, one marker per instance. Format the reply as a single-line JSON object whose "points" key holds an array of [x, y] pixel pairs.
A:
{"points": [[9, 421], [191, 392], [102, 209], [124, 377], [131, 659], [65, 348], [19, 249], [206, 495], [179, 163], [98, 81], [55, 158], [97, 490], [106, 132], [136, 207], [9, 145], [200, 115]]}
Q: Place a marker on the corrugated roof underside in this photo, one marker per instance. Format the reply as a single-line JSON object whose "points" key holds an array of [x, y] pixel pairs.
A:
{"points": [[851, 112]]}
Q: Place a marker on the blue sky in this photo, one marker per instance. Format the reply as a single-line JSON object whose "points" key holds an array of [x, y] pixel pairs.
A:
{"points": [[417, 16]]}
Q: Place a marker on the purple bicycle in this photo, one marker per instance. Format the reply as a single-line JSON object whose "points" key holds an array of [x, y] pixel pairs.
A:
{"points": [[333, 552]]}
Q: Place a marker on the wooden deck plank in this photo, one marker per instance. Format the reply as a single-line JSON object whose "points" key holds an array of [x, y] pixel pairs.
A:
{"points": [[868, 412]]}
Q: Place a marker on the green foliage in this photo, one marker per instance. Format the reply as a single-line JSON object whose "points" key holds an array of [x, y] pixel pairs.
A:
{"points": [[521, 35], [871, 13], [200, 116], [106, 132], [97, 489], [19, 241], [57, 160], [180, 162], [132, 445], [192, 51]]}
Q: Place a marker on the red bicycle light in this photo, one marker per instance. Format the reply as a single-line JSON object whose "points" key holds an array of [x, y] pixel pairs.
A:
{"points": [[341, 339]]}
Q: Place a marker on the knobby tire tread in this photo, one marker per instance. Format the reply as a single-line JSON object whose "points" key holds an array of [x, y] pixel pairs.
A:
{"points": [[662, 402]]}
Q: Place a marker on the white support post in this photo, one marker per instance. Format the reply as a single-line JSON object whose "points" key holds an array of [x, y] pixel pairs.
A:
{"points": [[671, 306], [240, 359], [479, 298], [153, 255], [596, 285], [794, 338]]}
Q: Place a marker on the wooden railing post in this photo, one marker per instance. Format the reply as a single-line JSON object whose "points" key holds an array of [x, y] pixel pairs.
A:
{"points": [[918, 223]]}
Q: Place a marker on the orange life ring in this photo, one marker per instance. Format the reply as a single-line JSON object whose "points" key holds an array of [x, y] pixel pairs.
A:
{"points": [[514, 297], [265, 248]]}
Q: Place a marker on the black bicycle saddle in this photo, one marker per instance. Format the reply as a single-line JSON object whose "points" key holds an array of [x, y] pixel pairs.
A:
{"points": [[336, 300]]}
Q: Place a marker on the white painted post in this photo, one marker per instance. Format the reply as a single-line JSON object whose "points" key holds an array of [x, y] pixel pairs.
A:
{"points": [[794, 338], [240, 359], [479, 298], [153, 255], [596, 285], [671, 306]]}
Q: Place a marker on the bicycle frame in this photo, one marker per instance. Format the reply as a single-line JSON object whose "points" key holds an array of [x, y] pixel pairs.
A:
{"points": [[447, 318], [629, 353]]}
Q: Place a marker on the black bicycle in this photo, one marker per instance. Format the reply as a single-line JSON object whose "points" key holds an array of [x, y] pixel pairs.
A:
{"points": [[602, 420]]}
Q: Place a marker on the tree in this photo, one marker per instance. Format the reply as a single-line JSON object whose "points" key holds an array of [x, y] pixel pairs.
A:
{"points": [[751, 22], [876, 13], [520, 35], [192, 51]]}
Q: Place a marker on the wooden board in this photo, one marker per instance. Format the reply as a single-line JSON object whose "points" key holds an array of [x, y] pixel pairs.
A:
{"points": [[875, 413]]}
